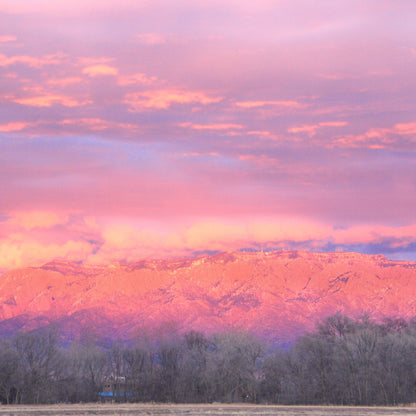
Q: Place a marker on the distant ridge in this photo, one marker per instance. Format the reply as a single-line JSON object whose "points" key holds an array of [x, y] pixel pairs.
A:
{"points": [[278, 295]]}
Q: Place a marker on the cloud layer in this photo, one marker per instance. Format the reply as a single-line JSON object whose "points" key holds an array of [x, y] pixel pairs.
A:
{"points": [[133, 128]]}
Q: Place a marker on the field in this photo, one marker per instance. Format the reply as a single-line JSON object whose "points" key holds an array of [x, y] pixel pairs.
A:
{"points": [[200, 410]]}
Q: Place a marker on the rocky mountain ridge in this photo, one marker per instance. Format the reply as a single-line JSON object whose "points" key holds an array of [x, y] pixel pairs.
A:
{"points": [[278, 295]]}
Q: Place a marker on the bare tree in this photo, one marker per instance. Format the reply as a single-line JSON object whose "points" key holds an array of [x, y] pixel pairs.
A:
{"points": [[10, 373], [233, 366], [39, 356]]}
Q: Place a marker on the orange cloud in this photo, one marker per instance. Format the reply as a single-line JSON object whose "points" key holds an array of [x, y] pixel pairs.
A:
{"points": [[19, 252], [37, 219], [31, 240], [213, 234], [48, 100], [100, 70], [129, 241], [36, 62], [290, 229], [38, 97], [163, 99], [220, 235]]}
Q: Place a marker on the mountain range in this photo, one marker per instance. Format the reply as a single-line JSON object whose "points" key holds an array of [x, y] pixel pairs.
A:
{"points": [[278, 295]]}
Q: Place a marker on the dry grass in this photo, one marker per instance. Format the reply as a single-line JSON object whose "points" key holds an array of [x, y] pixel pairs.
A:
{"points": [[200, 410]]}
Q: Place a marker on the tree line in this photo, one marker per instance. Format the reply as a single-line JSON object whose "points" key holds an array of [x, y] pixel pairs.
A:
{"points": [[344, 361]]}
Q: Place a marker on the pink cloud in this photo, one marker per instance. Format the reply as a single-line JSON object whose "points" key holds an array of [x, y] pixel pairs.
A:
{"points": [[151, 38], [49, 100], [64, 82], [136, 79], [126, 241], [17, 251], [7, 38], [163, 99], [37, 219], [29, 239], [229, 130], [370, 234], [67, 126], [263, 134], [380, 138], [97, 124], [11, 75], [100, 70], [198, 154], [213, 126], [333, 124], [311, 129], [63, 9], [86, 61], [39, 97], [256, 104], [17, 126], [36, 62], [129, 241], [405, 128], [332, 77]]}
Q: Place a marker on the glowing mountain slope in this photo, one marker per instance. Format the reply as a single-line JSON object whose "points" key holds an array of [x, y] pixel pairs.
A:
{"points": [[278, 295]]}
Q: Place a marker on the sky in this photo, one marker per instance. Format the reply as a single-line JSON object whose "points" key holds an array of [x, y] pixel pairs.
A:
{"points": [[134, 128]]}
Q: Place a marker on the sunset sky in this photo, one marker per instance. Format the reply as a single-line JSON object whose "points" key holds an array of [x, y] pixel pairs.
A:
{"points": [[135, 128]]}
